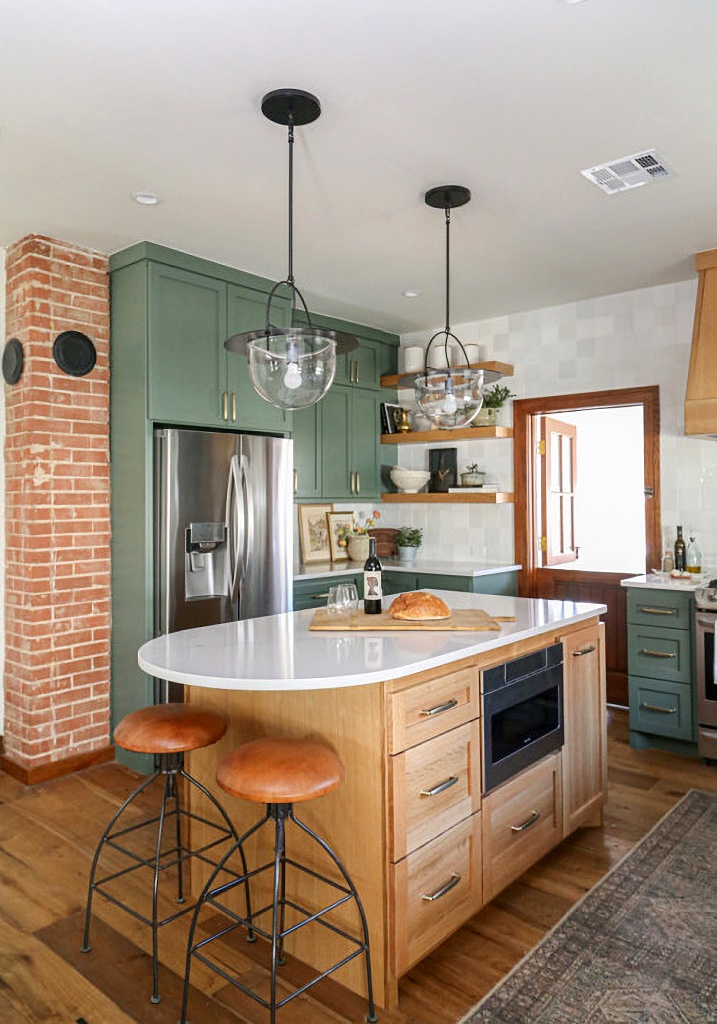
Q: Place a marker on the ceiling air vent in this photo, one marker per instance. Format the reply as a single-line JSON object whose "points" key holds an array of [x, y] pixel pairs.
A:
{"points": [[629, 172]]}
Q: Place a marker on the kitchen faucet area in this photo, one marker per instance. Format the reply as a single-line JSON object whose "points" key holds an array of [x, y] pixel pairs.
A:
{"points": [[359, 582]]}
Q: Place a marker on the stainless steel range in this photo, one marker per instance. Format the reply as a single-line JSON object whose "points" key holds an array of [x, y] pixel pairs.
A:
{"points": [[705, 623]]}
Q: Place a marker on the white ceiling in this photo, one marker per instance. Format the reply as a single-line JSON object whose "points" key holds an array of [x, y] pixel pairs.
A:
{"points": [[103, 98]]}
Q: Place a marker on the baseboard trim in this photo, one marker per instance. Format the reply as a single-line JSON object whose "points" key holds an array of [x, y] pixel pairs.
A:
{"points": [[31, 776]]}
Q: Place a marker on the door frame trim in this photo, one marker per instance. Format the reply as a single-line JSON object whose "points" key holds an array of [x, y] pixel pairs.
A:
{"points": [[524, 441]]}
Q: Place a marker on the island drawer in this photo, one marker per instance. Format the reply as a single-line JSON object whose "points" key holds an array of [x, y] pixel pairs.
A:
{"points": [[434, 786], [435, 890], [660, 653], [661, 707], [659, 608], [428, 709], [522, 820]]}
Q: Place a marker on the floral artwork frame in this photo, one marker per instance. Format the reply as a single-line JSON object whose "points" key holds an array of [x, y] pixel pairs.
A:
{"points": [[314, 533], [336, 522]]}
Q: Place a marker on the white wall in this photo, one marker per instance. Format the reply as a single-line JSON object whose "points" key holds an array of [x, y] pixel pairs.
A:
{"points": [[3, 278], [632, 339]]}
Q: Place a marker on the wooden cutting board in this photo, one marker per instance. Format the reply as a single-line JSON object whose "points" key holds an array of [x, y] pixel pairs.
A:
{"points": [[461, 618]]}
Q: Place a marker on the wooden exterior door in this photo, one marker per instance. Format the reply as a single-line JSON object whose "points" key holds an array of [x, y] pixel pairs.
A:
{"points": [[537, 579], [557, 486]]}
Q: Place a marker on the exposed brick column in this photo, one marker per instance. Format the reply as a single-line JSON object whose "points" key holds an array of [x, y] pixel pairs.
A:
{"points": [[58, 516]]}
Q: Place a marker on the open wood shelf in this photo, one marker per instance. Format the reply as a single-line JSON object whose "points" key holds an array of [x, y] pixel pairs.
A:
{"points": [[432, 436], [493, 371], [489, 498]]}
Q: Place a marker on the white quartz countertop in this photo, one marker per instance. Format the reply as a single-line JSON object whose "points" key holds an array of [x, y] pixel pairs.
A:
{"points": [[661, 581], [441, 567], [279, 652]]}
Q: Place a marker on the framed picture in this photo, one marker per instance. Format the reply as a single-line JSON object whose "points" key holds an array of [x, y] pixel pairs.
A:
{"points": [[390, 418], [314, 533], [336, 521], [443, 464]]}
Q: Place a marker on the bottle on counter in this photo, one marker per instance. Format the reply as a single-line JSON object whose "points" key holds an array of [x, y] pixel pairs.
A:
{"points": [[680, 551], [693, 556], [668, 561], [372, 581]]}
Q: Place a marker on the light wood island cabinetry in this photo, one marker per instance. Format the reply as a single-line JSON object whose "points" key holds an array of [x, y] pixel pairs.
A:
{"points": [[424, 844]]}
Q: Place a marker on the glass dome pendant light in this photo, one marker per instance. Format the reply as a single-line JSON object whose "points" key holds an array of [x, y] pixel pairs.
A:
{"points": [[451, 397], [291, 367]]}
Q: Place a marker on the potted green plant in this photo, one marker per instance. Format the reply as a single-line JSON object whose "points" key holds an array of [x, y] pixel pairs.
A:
{"points": [[408, 541], [493, 399], [472, 476]]}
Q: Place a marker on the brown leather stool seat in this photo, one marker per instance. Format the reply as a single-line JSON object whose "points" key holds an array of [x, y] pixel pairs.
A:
{"points": [[167, 731], [278, 773]]}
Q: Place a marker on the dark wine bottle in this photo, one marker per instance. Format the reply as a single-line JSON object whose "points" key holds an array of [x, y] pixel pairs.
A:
{"points": [[680, 551], [372, 581]]}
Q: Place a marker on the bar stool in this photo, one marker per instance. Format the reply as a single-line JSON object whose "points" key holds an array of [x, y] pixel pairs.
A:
{"points": [[279, 773], [167, 731]]}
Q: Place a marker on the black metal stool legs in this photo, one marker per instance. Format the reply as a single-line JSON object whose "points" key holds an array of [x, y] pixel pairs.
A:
{"points": [[212, 894]]}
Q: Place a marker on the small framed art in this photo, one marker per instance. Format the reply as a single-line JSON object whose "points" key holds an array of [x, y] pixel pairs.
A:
{"points": [[339, 522], [314, 533]]}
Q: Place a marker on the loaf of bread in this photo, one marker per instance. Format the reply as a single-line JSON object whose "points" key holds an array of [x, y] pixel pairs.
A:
{"points": [[418, 604]]}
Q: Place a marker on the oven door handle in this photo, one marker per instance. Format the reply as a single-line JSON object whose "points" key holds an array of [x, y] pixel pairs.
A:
{"points": [[527, 823]]}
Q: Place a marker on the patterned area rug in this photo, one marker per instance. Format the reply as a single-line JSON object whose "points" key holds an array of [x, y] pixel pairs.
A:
{"points": [[640, 947]]}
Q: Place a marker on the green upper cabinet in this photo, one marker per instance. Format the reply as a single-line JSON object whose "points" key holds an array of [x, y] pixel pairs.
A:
{"points": [[246, 311], [306, 432], [187, 327]]}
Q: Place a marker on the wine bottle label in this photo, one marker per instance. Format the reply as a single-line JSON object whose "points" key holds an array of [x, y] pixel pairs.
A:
{"points": [[372, 590]]}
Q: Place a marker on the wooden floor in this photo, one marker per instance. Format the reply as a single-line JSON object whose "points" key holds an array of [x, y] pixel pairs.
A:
{"points": [[47, 836]]}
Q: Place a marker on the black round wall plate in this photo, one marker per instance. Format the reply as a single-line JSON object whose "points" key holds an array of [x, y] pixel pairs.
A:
{"points": [[74, 353], [12, 360]]}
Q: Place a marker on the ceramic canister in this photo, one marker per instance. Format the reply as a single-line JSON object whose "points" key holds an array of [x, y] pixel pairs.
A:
{"points": [[413, 356]]}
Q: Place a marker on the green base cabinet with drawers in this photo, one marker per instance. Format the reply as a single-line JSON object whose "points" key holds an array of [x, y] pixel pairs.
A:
{"points": [[661, 658], [313, 593]]}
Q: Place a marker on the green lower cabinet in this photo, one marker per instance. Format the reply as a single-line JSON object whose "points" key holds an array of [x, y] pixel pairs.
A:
{"points": [[314, 592], [398, 582], [662, 708]]}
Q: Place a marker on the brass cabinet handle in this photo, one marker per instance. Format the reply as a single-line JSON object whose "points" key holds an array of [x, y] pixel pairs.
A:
{"points": [[656, 707], [658, 654], [527, 823], [586, 650], [441, 787], [352, 486], [225, 406], [358, 482], [440, 708], [446, 887], [356, 379], [296, 481], [318, 597], [234, 407], [657, 611]]}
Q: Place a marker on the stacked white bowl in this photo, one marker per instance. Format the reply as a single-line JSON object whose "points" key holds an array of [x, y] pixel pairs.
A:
{"points": [[409, 481]]}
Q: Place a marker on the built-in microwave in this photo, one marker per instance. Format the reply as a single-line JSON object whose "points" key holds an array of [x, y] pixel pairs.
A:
{"points": [[522, 713]]}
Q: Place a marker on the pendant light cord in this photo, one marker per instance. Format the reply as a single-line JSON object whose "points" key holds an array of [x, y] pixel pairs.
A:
{"points": [[290, 277], [448, 272]]}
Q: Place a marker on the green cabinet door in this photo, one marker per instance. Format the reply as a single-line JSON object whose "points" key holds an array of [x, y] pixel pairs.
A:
{"points": [[336, 472], [187, 324], [364, 432], [246, 311], [306, 432]]}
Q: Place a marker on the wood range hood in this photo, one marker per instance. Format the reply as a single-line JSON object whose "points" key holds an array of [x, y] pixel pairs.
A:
{"points": [[701, 398]]}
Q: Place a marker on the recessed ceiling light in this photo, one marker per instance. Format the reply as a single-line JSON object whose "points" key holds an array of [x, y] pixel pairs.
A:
{"points": [[410, 294], [146, 198], [572, 1]]}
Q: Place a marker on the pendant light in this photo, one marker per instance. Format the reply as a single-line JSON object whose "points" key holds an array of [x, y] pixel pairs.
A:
{"points": [[291, 367], [451, 397]]}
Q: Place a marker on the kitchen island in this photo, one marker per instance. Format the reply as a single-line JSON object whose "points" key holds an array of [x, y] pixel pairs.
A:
{"points": [[425, 843]]}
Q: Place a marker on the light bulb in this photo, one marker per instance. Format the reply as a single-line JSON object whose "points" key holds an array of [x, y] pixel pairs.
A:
{"points": [[292, 377], [450, 405]]}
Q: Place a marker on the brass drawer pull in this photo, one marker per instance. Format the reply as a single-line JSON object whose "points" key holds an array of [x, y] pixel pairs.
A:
{"points": [[441, 787], [440, 708], [234, 407], [527, 823], [656, 707], [587, 650], [296, 481], [318, 597], [658, 654], [446, 887], [225, 405], [657, 611]]}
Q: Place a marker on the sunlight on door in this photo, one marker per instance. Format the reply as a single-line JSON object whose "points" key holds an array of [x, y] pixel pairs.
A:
{"points": [[591, 474]]}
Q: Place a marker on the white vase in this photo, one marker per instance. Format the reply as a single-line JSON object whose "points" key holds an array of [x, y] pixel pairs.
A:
{"points": [[407, 554]]}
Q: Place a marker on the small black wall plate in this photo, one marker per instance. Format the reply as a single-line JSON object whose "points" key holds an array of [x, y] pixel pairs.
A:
{"points": [[12, 361], [74, 353]]}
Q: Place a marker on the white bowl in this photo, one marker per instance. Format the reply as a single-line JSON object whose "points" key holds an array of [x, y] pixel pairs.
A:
{"points": [[409, 481]]}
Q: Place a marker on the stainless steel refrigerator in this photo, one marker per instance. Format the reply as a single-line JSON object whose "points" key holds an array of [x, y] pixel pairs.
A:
{"points": [[223, 527]]}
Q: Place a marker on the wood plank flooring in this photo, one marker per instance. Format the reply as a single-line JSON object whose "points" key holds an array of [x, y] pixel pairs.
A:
{"points": [[47, 837]]}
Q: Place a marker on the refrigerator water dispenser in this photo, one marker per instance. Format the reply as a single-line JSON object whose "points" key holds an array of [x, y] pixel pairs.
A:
{"points": [[205, 562]]}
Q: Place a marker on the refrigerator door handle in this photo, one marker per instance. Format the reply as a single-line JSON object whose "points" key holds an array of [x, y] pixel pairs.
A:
{"points": [[234, 529], [248, 496]]}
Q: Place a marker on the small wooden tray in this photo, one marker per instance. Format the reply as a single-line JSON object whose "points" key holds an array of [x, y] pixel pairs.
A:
{"points": [[460, 618]]}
